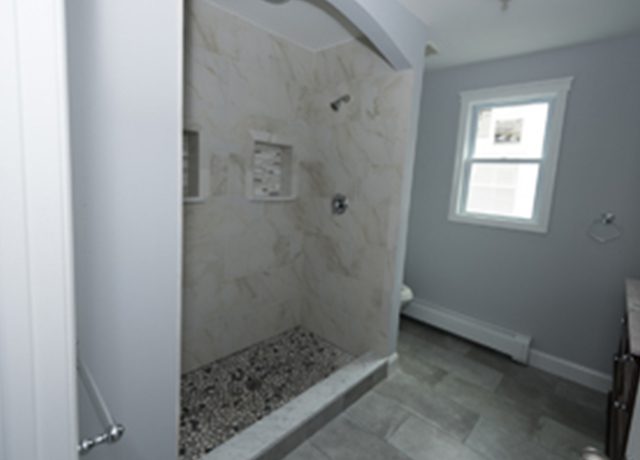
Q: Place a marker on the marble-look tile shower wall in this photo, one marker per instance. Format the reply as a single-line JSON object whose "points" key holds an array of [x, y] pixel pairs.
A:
{"points": [[359, 151], [242, 259], [252, 269]]}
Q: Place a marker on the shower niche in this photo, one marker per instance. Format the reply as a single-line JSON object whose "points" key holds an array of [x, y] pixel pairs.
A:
{"points": [[195, 175], [271, 174]]}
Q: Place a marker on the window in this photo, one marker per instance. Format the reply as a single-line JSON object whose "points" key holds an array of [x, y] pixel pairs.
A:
{"points": [[508, 144]]}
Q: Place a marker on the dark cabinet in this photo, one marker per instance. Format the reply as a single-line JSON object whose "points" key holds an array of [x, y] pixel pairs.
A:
{"points": [[622, 396]]}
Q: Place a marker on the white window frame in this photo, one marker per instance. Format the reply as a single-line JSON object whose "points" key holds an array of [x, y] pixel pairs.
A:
{"points": [[554, 92]]}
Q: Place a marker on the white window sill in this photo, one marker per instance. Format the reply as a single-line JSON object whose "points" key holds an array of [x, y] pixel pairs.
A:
{"points": [[501, 223]]}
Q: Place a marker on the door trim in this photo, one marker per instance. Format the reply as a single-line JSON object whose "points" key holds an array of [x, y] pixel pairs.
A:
{"points": [[37, 316]]}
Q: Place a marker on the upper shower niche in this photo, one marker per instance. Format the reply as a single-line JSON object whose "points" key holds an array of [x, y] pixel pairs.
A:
{"points": [[271, 172]]}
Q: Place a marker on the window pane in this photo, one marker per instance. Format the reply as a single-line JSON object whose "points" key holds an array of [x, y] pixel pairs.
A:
{"points": [[514, 131], [506, 190]]}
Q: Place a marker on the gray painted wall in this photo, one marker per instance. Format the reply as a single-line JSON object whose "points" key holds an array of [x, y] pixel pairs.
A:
{"points": [[126, 88], [561, 287]]}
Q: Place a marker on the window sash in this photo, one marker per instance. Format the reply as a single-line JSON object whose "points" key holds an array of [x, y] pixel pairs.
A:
{"points": [[478, 107], [466, 179], [469, 159]]}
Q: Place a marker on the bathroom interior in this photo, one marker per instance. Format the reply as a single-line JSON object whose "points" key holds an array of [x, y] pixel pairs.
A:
{"points": [[294, 162], [258, 295]]}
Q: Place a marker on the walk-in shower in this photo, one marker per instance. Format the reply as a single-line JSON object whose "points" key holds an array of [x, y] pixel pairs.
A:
{"points": [[289, 257]]}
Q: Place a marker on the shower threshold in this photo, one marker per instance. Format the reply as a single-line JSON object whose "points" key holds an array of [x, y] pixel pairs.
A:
{"points": [[223, 398]]}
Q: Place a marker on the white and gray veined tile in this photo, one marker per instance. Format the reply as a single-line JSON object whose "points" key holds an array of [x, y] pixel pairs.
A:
{"points": [[239, 79]]}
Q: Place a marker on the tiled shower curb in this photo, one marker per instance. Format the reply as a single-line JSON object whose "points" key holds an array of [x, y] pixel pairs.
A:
{"points": [[282, 431]]}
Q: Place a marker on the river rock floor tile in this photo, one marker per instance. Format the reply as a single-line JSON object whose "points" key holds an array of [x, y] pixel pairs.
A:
{"points": [[222, 398]]}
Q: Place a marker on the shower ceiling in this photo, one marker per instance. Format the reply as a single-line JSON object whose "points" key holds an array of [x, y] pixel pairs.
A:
{"points": [[313, 24], [463, 31]]}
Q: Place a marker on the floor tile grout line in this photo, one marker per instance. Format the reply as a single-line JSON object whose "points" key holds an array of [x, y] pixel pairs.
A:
{"points": [[426, 420]]}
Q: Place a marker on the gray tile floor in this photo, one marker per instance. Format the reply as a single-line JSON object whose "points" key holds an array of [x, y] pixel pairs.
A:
{"points": [[452, 399]]}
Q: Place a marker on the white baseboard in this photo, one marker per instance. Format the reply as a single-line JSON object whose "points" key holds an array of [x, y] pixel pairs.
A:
{"points": [[511, 343], [569, 370], [497, 338]]}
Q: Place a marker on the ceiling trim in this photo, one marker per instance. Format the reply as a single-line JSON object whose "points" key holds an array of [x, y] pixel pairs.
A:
{"points": [[395, 32]]}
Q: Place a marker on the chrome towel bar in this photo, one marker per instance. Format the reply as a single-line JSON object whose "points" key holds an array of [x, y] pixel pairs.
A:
{"points": [[113, 431]]}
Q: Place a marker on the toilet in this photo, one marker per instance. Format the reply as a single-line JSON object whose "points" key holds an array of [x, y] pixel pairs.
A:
{"points": [[406, 296]]}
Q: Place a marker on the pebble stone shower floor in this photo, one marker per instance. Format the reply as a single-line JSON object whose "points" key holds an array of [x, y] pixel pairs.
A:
{"points": [[222, 398]]}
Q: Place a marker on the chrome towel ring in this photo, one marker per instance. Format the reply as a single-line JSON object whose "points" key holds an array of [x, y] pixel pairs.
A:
{"points": [[605, 229]]}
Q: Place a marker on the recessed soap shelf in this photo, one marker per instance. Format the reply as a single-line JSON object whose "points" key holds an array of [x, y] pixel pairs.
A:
{"points": [[271, 175], [194, 167]]}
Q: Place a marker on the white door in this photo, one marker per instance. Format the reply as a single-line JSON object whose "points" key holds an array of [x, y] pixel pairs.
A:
{"points": [[125, 73], [38, 418]]}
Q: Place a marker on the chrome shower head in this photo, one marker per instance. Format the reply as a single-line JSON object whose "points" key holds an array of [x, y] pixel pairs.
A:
{"points": [[335, 105]]}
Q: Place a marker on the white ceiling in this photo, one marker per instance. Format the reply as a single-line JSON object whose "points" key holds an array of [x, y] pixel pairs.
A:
{"points": [[463, 31], [474, 30], [312, 24]]}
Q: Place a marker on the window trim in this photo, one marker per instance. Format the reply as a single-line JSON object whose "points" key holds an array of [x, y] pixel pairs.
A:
{"points": [[555, 92]]}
